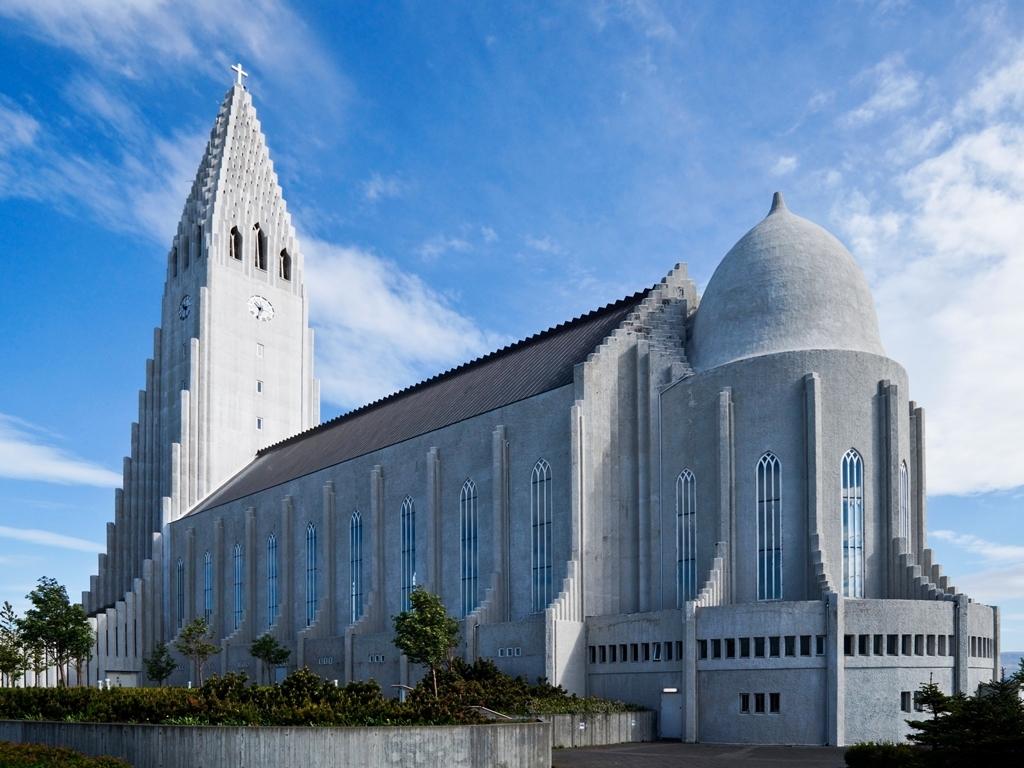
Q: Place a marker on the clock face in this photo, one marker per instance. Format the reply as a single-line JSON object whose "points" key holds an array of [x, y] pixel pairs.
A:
{"points": [[185, 307], [261, 308]]}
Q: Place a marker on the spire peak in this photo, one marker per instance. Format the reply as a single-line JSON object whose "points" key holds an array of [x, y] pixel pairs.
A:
{"points": [[778, 204]]}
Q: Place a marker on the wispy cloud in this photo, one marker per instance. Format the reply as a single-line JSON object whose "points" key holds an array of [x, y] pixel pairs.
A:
{"points": [[441, 244], [379, 187], [994, 586], [784, 166], [18, 129], [545, 244], [989, 550], [49, 539], [489, 235], [25, 455], [895, 89], [380, 329]]}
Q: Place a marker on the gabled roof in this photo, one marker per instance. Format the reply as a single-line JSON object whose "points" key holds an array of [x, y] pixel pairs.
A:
{"points": [[521, 370]]}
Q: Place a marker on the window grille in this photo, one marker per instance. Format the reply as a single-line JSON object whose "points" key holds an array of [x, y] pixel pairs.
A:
{"points": [[181, 592], [904, 502], [208, 588], [853, 524], [408, 551], [686, 536], [468, 518], [540, 515], [272, 600], [769, 528], [310, 574], [355, 563], [238, 585]]}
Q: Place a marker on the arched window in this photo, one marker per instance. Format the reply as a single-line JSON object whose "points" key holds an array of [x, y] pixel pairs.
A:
{"points": [[207, 588], [686, 536], [260, 248], [284, 266], [272, 601], [238, 585], [540, 519], [355, 564], [769, 528], [181, 592], [236, 244], [310, 574], [904, 502], [408, 551], [853, 524], [172, 261], [468, 520]]}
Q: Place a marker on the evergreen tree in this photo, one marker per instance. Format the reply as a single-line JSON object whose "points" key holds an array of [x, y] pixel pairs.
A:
{"points": [[427, 634], [13, 661], [194, 644], [267, 649], [161, 664]]}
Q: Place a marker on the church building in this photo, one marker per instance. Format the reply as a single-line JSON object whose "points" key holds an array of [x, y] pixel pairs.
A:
{"points": [[709, 505]]}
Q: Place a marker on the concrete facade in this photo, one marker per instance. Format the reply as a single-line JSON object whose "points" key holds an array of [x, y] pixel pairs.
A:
{"points": [[730, 511]]}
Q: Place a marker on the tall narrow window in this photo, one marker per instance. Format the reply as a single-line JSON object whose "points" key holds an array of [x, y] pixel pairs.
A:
{"points": [[236, 244], [355, 564], [238, 585], [180, 573], [260, 248], [310, 574], [904, 502], [853, 524], [272, 601], [467, 516], [769, 528], [186, 248], [172, 261], [408, 551], [540, 519], [686, 536], [197, 247], [208, 588], [284, 268]]}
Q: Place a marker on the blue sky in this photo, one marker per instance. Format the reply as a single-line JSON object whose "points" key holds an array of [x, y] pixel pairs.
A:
{"points": [[482, 171]]}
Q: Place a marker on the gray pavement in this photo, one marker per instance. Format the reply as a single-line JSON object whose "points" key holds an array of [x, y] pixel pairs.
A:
{"points": [[673, 754]]}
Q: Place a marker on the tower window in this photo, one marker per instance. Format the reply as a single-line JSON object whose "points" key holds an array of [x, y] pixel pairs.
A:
{"points": [[180, 574], [355, 563], [208, 588], [904, 502], [853, 524], [259, 423], [284, 269], [259, 386], [172, 261], [259, 350], [468, 520], [540, 513], [238, 585], [408, 551], [236, 244], [310, 574], [260, 246], [686, 536], [272, 602], [769, 528]]}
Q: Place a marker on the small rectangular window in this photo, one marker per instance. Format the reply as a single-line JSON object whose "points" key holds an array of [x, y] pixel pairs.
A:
{"points": [[942, 645], [892, 645], [259, 386], [759, 648], [745, 703], [184, 350], [501, 653], [679, 649], [657, 651], [730, 648], [259, 350], [602, 651], [647, 651], [805, 645], [716, 648], [863, 645], [905, 642], [668, 651], [919, 645], [951, 646], [518, 650], [819, 645], [744, 647], [759, 703], [593, 654], [622, 652], [702, 648], [635, 648], [790, 642], [974, 646], [774, 702], [259, 423], [848, 645], [929, 645], [918, 705], [905, 701], [773, 647], [612, 651], [879, 645]]}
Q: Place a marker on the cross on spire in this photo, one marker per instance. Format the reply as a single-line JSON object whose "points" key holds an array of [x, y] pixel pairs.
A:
{"points": [[241, 73]]}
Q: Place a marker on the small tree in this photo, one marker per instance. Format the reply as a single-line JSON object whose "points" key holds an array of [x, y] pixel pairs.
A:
{"points": [[194, 644], [161, 664], [56, 627], [267, 649], [427, 634], [13, 661]]}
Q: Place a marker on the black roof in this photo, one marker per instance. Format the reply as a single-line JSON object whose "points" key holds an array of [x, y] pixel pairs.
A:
{"points": [[521, 370]]}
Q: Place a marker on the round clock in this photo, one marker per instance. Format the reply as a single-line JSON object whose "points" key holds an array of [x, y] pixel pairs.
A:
{"points": [[261, 308], [185, 307]]}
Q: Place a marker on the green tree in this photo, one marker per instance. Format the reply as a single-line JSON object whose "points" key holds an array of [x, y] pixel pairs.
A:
{"points": [[426, 634], [267, 649], [13, 661], [194, 644], [56, 627], [161, 664]]}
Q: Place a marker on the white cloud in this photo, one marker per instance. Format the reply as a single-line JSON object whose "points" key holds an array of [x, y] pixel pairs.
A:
{"points": [[18, 129], [990, 550], [994, 586], [440, 244], [544, 244], [380, 329], [946, 255], [489, 235], [24, 456], [49, 539], [896, 88], [379, 187], [784, 166]]}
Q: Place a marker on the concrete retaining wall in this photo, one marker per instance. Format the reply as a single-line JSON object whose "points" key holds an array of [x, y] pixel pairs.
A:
{"points": [[513, 745], [596, 730]]}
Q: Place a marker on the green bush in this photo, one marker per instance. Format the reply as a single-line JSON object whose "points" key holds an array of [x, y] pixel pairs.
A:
{"points": [[38, 756], [883, 755]]}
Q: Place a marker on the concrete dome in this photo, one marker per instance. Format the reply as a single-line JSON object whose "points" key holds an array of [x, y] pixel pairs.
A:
{"points": [[786, 285]]}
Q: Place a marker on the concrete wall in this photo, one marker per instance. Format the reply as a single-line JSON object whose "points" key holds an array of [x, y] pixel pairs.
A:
{"points": [[595, 730], [515, 745]]}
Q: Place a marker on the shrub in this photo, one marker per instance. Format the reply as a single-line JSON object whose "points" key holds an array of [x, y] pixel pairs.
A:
{"points": [[38, 756], [883, 755]]}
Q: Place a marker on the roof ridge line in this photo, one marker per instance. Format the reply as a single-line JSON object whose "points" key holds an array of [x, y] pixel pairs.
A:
{"points": [[507, 349]]}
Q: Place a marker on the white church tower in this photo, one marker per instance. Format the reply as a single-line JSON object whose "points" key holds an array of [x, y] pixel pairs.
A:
{"points": [[232, 372]]}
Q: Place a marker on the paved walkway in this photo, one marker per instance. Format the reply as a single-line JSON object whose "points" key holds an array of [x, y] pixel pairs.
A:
{"points": [[673, 754]]}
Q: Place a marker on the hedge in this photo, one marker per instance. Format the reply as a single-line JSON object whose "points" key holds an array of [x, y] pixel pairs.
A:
{"points": [[37, 756]]}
